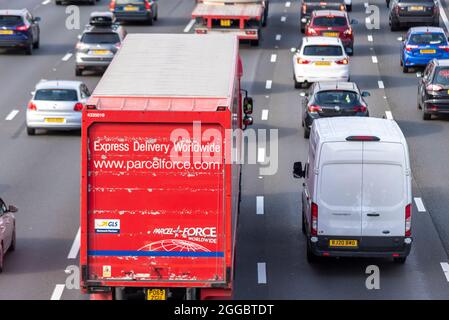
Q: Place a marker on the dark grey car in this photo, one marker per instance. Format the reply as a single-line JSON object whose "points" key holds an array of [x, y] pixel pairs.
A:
{"points": [[413, 13]]}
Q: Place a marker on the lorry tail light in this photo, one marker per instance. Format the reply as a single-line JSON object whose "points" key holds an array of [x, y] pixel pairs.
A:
{"points": [[32, 106], [408, 220], [78, 106], [304, 9], [360, 108], [434, 87], [112, 5], [314, 226], [221, 108], [342, 61], [302, 61], [314, 108], [22, 28]]}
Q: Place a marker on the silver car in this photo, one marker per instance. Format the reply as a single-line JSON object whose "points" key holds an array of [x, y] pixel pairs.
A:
{"points": [[56, 105]]}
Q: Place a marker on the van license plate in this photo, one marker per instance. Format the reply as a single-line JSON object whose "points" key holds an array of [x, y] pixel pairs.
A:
{"points": [[343, 243], [156, 294]]}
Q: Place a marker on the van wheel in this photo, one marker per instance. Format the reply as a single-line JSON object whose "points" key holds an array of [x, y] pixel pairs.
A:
{"points": [[303, 223], [400, 260], [311, 257], [306, 132]]}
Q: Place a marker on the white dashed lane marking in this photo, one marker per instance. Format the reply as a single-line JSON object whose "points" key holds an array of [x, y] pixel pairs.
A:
{"points": [[374, 58], [11, 115], [189, 26], [380, 83], [57, 292], [419, 204], [75, 246], [278, 37], [389, 115], [259, 205], [264, 114], [261, 273], [273, 58], [370, 38], [67, 57], [283, 19], [268, 84], [445, 267]]}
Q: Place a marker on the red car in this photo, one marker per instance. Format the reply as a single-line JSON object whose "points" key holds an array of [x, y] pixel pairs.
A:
{"points": [[332, 23], [7, 230]]}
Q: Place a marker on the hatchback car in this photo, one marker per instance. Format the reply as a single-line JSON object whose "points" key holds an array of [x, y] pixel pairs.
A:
{"points": [[422, 44], [332, 99], [135, 10], [433, 89], [308, 6], [320, 59], [413, 12], [98, 45], [19, 29], [7, 231], [60, 2], [56, 105], [332, 23]]}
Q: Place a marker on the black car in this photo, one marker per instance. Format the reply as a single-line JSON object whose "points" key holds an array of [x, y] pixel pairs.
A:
{"points": [[433, 89], [308, 6], [19, 29], [413, 13], [332, 99]]}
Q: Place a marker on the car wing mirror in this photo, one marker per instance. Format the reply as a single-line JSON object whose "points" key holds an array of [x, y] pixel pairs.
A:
{"points": [[248, 106], [298, 171], [79, 37], [37, 19], [12, 209], [32, 93], [366, 94], [303, 94], [247, 121], [400, 39]]}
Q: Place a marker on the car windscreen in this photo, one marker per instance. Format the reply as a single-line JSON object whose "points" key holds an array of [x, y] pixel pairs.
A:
{"points": [[10, 21], [427, 38], [56, 95], [100, 38], [330, 21], [322, 50], [442, 76], [337, 97], [130, 2]]}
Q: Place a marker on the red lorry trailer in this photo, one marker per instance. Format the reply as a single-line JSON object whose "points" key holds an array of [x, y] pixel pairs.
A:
{"points": [[245, 18], [159, 194]]}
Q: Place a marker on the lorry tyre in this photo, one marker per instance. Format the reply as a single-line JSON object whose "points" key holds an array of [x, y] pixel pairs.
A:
{"points": [[400, 260]]}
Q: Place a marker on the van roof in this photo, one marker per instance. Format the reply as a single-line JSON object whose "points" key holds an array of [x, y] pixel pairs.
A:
{"points": [[339, 128]]}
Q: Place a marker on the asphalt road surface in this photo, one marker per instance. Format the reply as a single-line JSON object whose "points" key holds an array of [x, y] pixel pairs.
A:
{"points": [[40, 174]]}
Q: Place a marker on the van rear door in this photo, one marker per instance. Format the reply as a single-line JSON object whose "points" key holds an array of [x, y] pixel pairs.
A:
{"points": [[385, 186], [339, 196]]}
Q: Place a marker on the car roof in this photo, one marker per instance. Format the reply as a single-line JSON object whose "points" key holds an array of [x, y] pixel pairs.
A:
{"points": [[426, 29], [321, 40], [332, 85], [14, 12], [58, 84], [442, 62], [335, 129], [321, 13]]}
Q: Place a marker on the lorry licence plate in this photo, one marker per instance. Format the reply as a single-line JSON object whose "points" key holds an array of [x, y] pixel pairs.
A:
{"points": [[343, 243], [225, 23], [156, 294]]}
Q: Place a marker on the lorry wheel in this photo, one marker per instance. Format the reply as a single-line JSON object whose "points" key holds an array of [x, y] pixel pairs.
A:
{"points": [[400, 260]]}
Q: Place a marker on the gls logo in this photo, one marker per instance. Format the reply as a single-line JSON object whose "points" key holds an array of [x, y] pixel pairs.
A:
{"points": [[107, 226]]}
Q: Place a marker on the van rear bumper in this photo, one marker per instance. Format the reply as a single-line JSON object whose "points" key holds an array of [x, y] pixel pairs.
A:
{"points": [[373, 247]]}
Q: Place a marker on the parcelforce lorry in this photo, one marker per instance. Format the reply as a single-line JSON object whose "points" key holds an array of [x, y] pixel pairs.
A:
{"points": [[159, 192], [245, 18]]}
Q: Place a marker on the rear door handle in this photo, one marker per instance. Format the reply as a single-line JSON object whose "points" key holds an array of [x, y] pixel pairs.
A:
{"points": [[373, 214]]}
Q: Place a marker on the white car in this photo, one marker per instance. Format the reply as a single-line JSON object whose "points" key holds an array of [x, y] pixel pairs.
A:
{"points": [[320, 59], [56, 105]]}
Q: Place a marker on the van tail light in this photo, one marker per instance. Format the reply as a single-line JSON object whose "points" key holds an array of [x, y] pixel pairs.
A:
{"points": [[314, 225], [32, 106], [408, 220], [147, 5], [314, 108], [112, 5], [302, 61], [251, 32], [342, 61], [445, 48], [78, 107], [304, 8], [360, 109], [22, 28], [409, 47], [434, 87]]}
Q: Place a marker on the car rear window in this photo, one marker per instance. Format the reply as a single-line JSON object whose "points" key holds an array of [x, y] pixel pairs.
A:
{"points": [[323, 6], [442, 76], [322, 50], [56, 95], [129, 1], [339, 97], [330, 21], [9, 21], [417, 1], [427, 38], [94, 38]]}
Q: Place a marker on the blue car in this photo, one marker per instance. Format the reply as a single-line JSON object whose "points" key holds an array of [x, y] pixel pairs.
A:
{"points": [[135, 10], [421, 45], [19, 29]]}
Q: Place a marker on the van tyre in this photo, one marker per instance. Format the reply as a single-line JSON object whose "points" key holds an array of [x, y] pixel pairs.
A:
{"points": [[400, 260], [31, 131], [311, 257], [306, 132]]}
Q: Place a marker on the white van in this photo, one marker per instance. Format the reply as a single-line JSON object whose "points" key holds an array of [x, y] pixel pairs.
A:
{"points": [[357, 192]]}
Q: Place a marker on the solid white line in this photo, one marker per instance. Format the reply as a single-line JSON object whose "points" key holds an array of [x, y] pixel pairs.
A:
{"points": [[370, 38], [261, 155], [283, 19], [268, 84], [273, 58], [389, 115], [380, 83], [445, 267], [443, 16], [46, 2], [261, 273], [190, 25], [288, 4], [75, 246], [67, 56], [57, 292], [265, 114], [374, 58], [259, 205], [11, 115], [278, 37], [419, 204]]}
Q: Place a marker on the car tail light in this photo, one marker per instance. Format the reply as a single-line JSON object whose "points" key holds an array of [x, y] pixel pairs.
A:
{"points": [[314, 108], [359, 109], [147, 5], [409, 47], [408, 220], [304, 8], [22, 28], [302, 61], [314, 226], [32, 106], [342, 61], [112, 5], [310, 31], [434, 87], [78, 106], [201, 31], [348, 32], [118, 45], [445, 48]]}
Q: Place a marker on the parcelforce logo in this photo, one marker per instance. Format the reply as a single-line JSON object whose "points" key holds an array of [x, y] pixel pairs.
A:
{"points": [[208, 232], [96, 115]]}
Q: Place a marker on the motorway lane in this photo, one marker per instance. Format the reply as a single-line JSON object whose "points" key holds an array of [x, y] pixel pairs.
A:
{"points": [[275, 238]]}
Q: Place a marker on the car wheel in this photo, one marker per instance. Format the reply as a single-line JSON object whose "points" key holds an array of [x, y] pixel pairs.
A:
{"points": [[156, 15], [400, 260], [58, 2], [31, 131], [12, 247], [29, 50], [150, 20], [404, 69], [394, 26], [78, 72], [311, 257], [306, 132], [36, 44], [298, 85], [426, 116]]}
